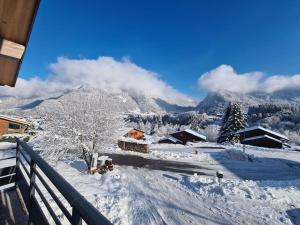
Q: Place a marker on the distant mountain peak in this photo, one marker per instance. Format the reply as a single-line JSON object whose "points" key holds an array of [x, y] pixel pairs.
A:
{"points": [[215, 102]]}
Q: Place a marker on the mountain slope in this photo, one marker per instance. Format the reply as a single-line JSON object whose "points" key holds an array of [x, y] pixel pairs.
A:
{"points": [[215, 103], [127, 102]]}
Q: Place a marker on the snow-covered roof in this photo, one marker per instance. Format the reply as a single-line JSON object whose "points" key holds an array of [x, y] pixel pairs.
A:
{"points": [[264, 129], [133, 140], [262, 136], [195, 133], [136, 130], [15, 120], [171, 138]]}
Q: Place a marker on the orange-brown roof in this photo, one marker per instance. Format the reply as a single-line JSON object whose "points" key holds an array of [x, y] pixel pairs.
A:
{"points": [[16, 20]]}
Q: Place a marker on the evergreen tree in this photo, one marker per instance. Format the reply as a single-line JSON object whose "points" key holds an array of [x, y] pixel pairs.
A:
{"points": [[223, 130], [233, 121]]}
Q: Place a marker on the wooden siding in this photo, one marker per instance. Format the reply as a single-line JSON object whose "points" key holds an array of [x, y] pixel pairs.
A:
{"points": [[132, 146], [263, 142], [4, 128], [257, 132], [168, 141]]}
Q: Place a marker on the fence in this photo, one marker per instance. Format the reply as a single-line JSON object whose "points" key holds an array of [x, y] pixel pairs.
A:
{"points": [[29, 169]]}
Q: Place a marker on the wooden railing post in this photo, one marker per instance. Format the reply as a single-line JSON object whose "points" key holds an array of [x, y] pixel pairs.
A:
{"points": [[31, 190], [17, 161], [76, 219]]}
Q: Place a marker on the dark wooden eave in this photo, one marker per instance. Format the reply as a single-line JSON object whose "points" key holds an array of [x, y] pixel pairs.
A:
{"points": [[16, 21]]}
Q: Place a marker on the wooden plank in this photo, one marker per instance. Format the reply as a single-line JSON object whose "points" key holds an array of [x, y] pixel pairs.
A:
{"points": [[23, 186], [7, 170], [11, 211], [7, 180], [16, 18], [16, 21], [11, 49], [8, 70]]}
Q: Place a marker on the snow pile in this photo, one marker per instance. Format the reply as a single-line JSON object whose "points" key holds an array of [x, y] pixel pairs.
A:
{"points": [[284, 192], [171, 155], [235, 154]]}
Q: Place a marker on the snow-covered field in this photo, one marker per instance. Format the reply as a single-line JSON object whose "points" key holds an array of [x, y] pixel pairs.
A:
{"points": [[174, 185]]}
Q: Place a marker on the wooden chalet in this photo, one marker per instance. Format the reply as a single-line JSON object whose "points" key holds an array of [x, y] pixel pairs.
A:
{"points": [[169, 140], [188, 135], [16, 21], [262, 137], [135, 133], [9, 125]]}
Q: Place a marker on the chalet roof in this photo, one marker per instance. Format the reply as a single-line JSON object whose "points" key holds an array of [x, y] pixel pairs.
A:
{"points": [[263, 129], [195, 133], [15, 120], [16, 18], [262, 136], [171, 138], [136, 130]]}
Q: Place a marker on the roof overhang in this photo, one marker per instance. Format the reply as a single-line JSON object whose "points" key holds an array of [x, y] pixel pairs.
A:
{"points": [[263, 129], [15, 120], [16, 21]]}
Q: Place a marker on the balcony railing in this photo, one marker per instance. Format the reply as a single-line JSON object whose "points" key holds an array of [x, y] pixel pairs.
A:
{"points": [[31, 175]]}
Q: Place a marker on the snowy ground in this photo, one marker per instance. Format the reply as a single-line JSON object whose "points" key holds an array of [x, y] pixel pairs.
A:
{"points": [[173, 185]]}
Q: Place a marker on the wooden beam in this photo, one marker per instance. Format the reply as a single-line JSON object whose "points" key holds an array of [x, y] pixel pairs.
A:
{"points": [[11, 49]]}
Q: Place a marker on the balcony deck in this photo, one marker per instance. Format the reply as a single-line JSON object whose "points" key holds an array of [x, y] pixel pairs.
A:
{"points": [[11, 210]]}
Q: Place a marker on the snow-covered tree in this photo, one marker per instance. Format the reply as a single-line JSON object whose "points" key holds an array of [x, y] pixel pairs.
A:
{"points": [[224, 128], [84, 122], [211, 132], [233, 121]]}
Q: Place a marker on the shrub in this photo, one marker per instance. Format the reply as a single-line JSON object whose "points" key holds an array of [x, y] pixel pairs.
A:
{"points": [[26, 139]]}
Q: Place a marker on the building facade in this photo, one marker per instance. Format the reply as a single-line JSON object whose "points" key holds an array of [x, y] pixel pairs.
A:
{"points": [[12, 126]]}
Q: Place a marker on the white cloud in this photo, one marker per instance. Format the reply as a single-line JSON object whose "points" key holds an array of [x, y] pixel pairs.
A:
{"points": [[225, 78], [104, 72]]}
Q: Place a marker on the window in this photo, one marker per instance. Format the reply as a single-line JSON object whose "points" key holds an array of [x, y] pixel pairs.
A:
{"points": [[13, 126]]}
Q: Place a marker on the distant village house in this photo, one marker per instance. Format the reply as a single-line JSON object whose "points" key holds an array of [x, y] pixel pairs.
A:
{"points": [[184, 136], [169, 140], [262, 137], [134, 140], [9, 125], [135, 133]]}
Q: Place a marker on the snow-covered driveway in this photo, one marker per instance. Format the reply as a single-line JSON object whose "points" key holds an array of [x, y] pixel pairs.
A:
{"points": [[160, 193], [131, 195]]}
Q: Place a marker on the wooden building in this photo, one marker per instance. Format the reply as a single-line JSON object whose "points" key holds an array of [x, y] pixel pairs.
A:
{"points": [[188, 135], [16, 20], [10, 125], [262, 137], [133, 146], [169, 140], [135, 133]]}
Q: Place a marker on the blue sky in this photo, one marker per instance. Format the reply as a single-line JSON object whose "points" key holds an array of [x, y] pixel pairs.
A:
{"points": [[179, 40]]}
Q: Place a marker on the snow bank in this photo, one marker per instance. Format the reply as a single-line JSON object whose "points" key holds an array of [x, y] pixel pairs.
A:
{"points": [[236, 154], [280, 191]]}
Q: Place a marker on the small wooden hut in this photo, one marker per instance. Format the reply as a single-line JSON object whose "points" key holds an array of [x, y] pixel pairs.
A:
{"points": [[9, 125]]}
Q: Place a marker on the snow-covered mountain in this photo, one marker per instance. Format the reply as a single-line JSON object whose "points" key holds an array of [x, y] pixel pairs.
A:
{"points": [[127, 102], [215, 103]]}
